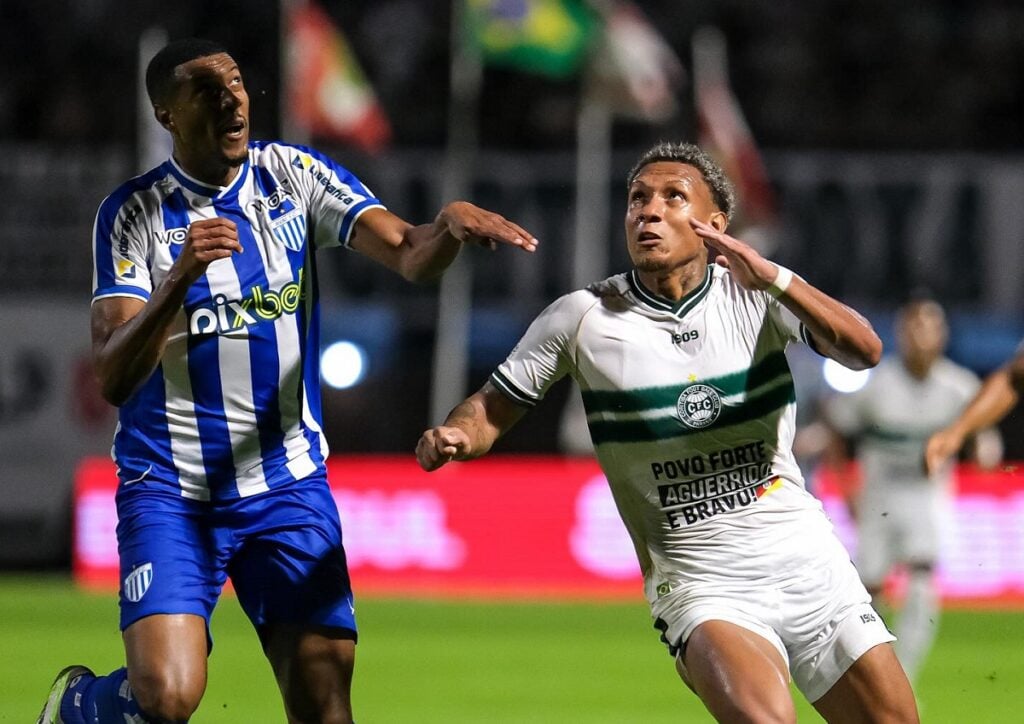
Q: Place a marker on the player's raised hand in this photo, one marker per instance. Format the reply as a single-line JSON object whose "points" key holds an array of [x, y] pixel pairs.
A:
{"points": [[748, 267], [472, 225], [207, 241], [940, 448], [440, 445]]}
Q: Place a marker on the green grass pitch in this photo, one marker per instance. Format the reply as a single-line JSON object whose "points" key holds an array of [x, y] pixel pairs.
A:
{"points": [[473, 662]]}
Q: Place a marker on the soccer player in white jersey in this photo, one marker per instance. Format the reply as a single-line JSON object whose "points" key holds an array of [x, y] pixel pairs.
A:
{"points": [[900, 510], [690, 406], [205, 333]]}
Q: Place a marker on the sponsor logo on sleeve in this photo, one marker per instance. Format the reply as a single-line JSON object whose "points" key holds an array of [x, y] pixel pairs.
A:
{"points": [[125, 269]]}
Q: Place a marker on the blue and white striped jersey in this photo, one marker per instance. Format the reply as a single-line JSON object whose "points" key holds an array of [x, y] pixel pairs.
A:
{"points": [[233, 409]]}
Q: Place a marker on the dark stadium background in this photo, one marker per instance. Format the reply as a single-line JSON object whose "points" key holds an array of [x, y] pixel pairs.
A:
{"points": [[892, 137], [851, 103]]}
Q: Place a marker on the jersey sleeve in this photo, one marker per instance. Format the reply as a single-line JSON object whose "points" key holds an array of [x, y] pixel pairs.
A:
{"points": [[788, 323], [120, 252], [334, 197], [544, 354]]}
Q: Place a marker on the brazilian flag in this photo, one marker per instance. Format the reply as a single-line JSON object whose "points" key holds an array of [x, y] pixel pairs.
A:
{"points": [[547, 37]]}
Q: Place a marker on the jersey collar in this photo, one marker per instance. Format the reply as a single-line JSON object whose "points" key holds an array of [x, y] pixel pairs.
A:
{"points": [[204, 189], [677, 309]]}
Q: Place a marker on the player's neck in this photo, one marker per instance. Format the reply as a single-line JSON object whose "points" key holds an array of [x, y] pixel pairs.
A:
{"points": [[676, 283], [212, 174], [918, 369]]}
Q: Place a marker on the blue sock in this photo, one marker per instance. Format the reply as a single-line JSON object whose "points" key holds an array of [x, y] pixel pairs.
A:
{"points": [[108, 700]]}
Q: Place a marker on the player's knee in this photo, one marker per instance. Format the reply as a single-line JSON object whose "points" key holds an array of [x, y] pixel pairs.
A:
{"points": [[757, 709], [751, 701], [896, 711], [165, 698]]}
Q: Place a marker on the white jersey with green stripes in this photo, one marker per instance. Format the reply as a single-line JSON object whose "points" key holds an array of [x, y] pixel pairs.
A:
{"points": [[893, 416], [691, 409]]}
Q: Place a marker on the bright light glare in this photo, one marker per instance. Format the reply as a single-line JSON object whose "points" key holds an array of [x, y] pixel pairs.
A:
{"points": [[343, 365], [843, 379]]}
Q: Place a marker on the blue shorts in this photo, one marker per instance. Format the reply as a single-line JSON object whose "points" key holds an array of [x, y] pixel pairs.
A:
{"points": [[282, 550]]}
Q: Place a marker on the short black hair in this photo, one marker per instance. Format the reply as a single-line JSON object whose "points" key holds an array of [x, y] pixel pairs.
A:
{"points": [[722, 191], [160, 78]]}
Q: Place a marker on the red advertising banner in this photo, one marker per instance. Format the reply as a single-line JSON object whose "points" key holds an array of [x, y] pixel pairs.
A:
{"points": [[546, 526]]}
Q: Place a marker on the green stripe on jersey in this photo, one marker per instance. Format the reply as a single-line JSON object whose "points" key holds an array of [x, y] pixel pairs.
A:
{"points": [[664, 427], [767, 370]]}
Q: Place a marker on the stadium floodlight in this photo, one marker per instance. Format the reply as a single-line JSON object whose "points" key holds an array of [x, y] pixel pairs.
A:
{"points": [[343, 364], [843, 379]]}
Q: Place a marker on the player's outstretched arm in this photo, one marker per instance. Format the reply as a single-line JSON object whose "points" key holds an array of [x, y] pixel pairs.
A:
{"points": [[998, 394], [421, 253], [839, 332], [470, 429]]}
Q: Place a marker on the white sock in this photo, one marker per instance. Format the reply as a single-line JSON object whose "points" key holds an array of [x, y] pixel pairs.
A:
{"points": [[918, 622]]}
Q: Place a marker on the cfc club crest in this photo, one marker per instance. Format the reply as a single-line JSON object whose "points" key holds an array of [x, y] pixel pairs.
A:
{"points": [[698, 406]]}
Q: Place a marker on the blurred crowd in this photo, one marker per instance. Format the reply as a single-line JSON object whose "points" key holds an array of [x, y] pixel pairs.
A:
{"points": [[844, 74]]}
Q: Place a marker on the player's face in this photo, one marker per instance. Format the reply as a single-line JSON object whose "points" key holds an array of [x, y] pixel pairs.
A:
{"points": [[922, 333], [209, 118], [662, 199]]}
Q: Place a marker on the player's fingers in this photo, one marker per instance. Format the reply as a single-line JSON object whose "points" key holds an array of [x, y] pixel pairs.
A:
{"points": [[217, 223], [426, 452], [497, 229], [935, 454]]}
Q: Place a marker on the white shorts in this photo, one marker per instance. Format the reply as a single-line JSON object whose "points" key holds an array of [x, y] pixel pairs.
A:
{"points": [[901, 526], [820, 619]]}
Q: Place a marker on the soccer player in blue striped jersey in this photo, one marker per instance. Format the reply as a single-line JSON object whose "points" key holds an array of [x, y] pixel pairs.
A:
{"points": [[205, 334], [691, 408]]}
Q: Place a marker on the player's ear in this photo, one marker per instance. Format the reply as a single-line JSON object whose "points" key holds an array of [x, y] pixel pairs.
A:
{"points": [[719, 221], [163, 117]]}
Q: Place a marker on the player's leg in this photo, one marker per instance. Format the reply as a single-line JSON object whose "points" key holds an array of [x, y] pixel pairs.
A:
{"points": [[166, 656], [739, 675], [873, 690], [875, 549], [841, 654], [292, 580], [168, 589], [163, 682], [922, 518], [919, 619], [313, 668]]}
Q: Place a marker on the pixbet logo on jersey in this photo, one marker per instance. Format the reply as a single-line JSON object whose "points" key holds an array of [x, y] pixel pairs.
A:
{"points": [[228, 315]]}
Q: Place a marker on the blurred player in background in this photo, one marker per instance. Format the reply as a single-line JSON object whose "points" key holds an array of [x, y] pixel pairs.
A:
{"points": [[999, 393], [691, 407], [900, 510], [205, 333]]}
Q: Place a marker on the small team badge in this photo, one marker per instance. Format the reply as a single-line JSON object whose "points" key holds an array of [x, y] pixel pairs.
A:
{"points": [[137, 582], [290, 229], [698, 406]]}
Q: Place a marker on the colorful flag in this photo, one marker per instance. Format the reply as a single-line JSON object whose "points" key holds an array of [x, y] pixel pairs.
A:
{"points": [[723, 132], [327, 91], [547, 37], [635, 71]]}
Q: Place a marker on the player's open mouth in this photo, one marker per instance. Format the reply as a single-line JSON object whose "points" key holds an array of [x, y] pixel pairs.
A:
{"points": [[648, 236], [233, 130]]}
